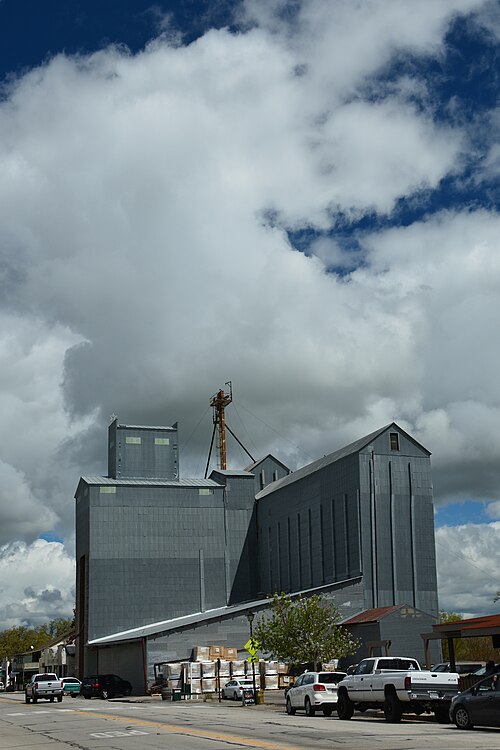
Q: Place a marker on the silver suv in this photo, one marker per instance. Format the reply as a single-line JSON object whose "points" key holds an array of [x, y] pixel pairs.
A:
{"points": [[312, 691]]}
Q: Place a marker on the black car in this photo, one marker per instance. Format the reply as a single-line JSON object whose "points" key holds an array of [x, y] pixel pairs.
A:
{"points": [[480, 704], [104, 686]]}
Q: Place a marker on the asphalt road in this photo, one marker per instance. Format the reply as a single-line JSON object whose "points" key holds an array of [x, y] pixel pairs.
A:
{"points": [[152, 724]]}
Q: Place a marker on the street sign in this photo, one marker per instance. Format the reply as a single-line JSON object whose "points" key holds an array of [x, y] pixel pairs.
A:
{"points": [[253, 659], [252, 646]]}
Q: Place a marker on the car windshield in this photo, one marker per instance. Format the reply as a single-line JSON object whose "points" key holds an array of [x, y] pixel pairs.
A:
{"points": [[44, 677], [330, 678]]}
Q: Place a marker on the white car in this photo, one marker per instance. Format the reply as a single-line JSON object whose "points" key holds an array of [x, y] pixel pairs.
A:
{"points": [[232, 689], [312, 691]]}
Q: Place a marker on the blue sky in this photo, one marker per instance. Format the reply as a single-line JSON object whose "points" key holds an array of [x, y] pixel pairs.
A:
{"points": [[302, 197]]}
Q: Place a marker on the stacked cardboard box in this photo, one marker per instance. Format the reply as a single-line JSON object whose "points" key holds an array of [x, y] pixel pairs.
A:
{"points": [[284, 680], [201, 653]]}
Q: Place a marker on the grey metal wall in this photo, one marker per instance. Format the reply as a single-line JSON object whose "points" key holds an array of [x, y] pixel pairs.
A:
{"points": [[240, 534], [404, 628], [142, 452], [161, 552], [268, 470], [397, 528], [232, 630], [309, 530], [125, 660], [155, 553]]}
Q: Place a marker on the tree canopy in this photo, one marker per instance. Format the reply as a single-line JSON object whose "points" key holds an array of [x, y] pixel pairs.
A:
{"points": [[468, 649], [19, 639], [303, 630]]}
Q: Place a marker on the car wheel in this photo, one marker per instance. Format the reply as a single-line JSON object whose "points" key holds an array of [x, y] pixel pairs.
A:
{"points": [[27, 698], [104, 694], [59, 698], [327, 711], [289, 708], [236, 696], [392, 709], [51, 699], [345, 709], [87, 697], [461, 718], [128, 691], [310, 711]]}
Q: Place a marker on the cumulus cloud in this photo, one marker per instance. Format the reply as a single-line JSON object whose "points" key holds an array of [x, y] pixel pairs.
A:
{"points": [[474, 550], [145, 209], [36, 583]]}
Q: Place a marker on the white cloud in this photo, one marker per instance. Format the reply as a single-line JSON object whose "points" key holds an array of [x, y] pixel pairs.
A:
{"points": [[36, 583], [493, 510], [143, 207], [474, 551]]}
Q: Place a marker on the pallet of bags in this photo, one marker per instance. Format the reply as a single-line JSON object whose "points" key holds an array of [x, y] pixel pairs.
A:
{"points": [[201, 653], [208, 684], [207, 669], [237, 668]]}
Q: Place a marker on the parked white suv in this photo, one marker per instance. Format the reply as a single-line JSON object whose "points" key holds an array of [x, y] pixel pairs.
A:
{"points": [[312, 691]]}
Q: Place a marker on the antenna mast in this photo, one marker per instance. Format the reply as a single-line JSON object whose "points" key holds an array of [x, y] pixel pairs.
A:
{"points": [[218, 404]]}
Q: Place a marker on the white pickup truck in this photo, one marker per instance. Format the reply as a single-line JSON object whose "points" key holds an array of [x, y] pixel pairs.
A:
{"points": [[46, 685], [397, 685]]}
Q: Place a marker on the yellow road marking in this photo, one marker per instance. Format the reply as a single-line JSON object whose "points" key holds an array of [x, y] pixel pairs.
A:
{"points": [[204, 733]]}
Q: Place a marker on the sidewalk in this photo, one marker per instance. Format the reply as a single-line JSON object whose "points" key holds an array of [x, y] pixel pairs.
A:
{"points": [[272, 699]]}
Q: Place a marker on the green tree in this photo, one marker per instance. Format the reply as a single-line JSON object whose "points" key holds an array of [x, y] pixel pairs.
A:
{"points": [[19, 639], [304, 630]]}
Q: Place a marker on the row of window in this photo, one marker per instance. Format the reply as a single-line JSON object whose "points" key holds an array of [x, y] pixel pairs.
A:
{"points": [[130, 440]]}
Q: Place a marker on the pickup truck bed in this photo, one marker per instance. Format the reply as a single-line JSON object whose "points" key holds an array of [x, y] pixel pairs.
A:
{"points": [[47, 686], [406, 689]]}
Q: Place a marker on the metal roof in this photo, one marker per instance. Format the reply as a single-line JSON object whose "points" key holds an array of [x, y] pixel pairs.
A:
{"points": [[252, 466], [469, 627], [146, 427], [320, 463], [371, 615], [231, 472], [94, 480], [164, 626]]}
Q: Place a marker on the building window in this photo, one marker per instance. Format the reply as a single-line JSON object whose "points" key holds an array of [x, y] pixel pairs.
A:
{"points": [[129, 440], [162, 441], [205, 491], [106, 489], [262, 479], [394, 441]]}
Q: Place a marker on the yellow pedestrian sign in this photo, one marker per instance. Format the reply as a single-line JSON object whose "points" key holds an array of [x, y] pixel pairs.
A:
{"points": [[253, 659], [252, 646]]}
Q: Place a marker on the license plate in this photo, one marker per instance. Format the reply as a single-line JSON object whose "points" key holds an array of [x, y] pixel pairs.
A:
{"points": [[434, 696]]}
